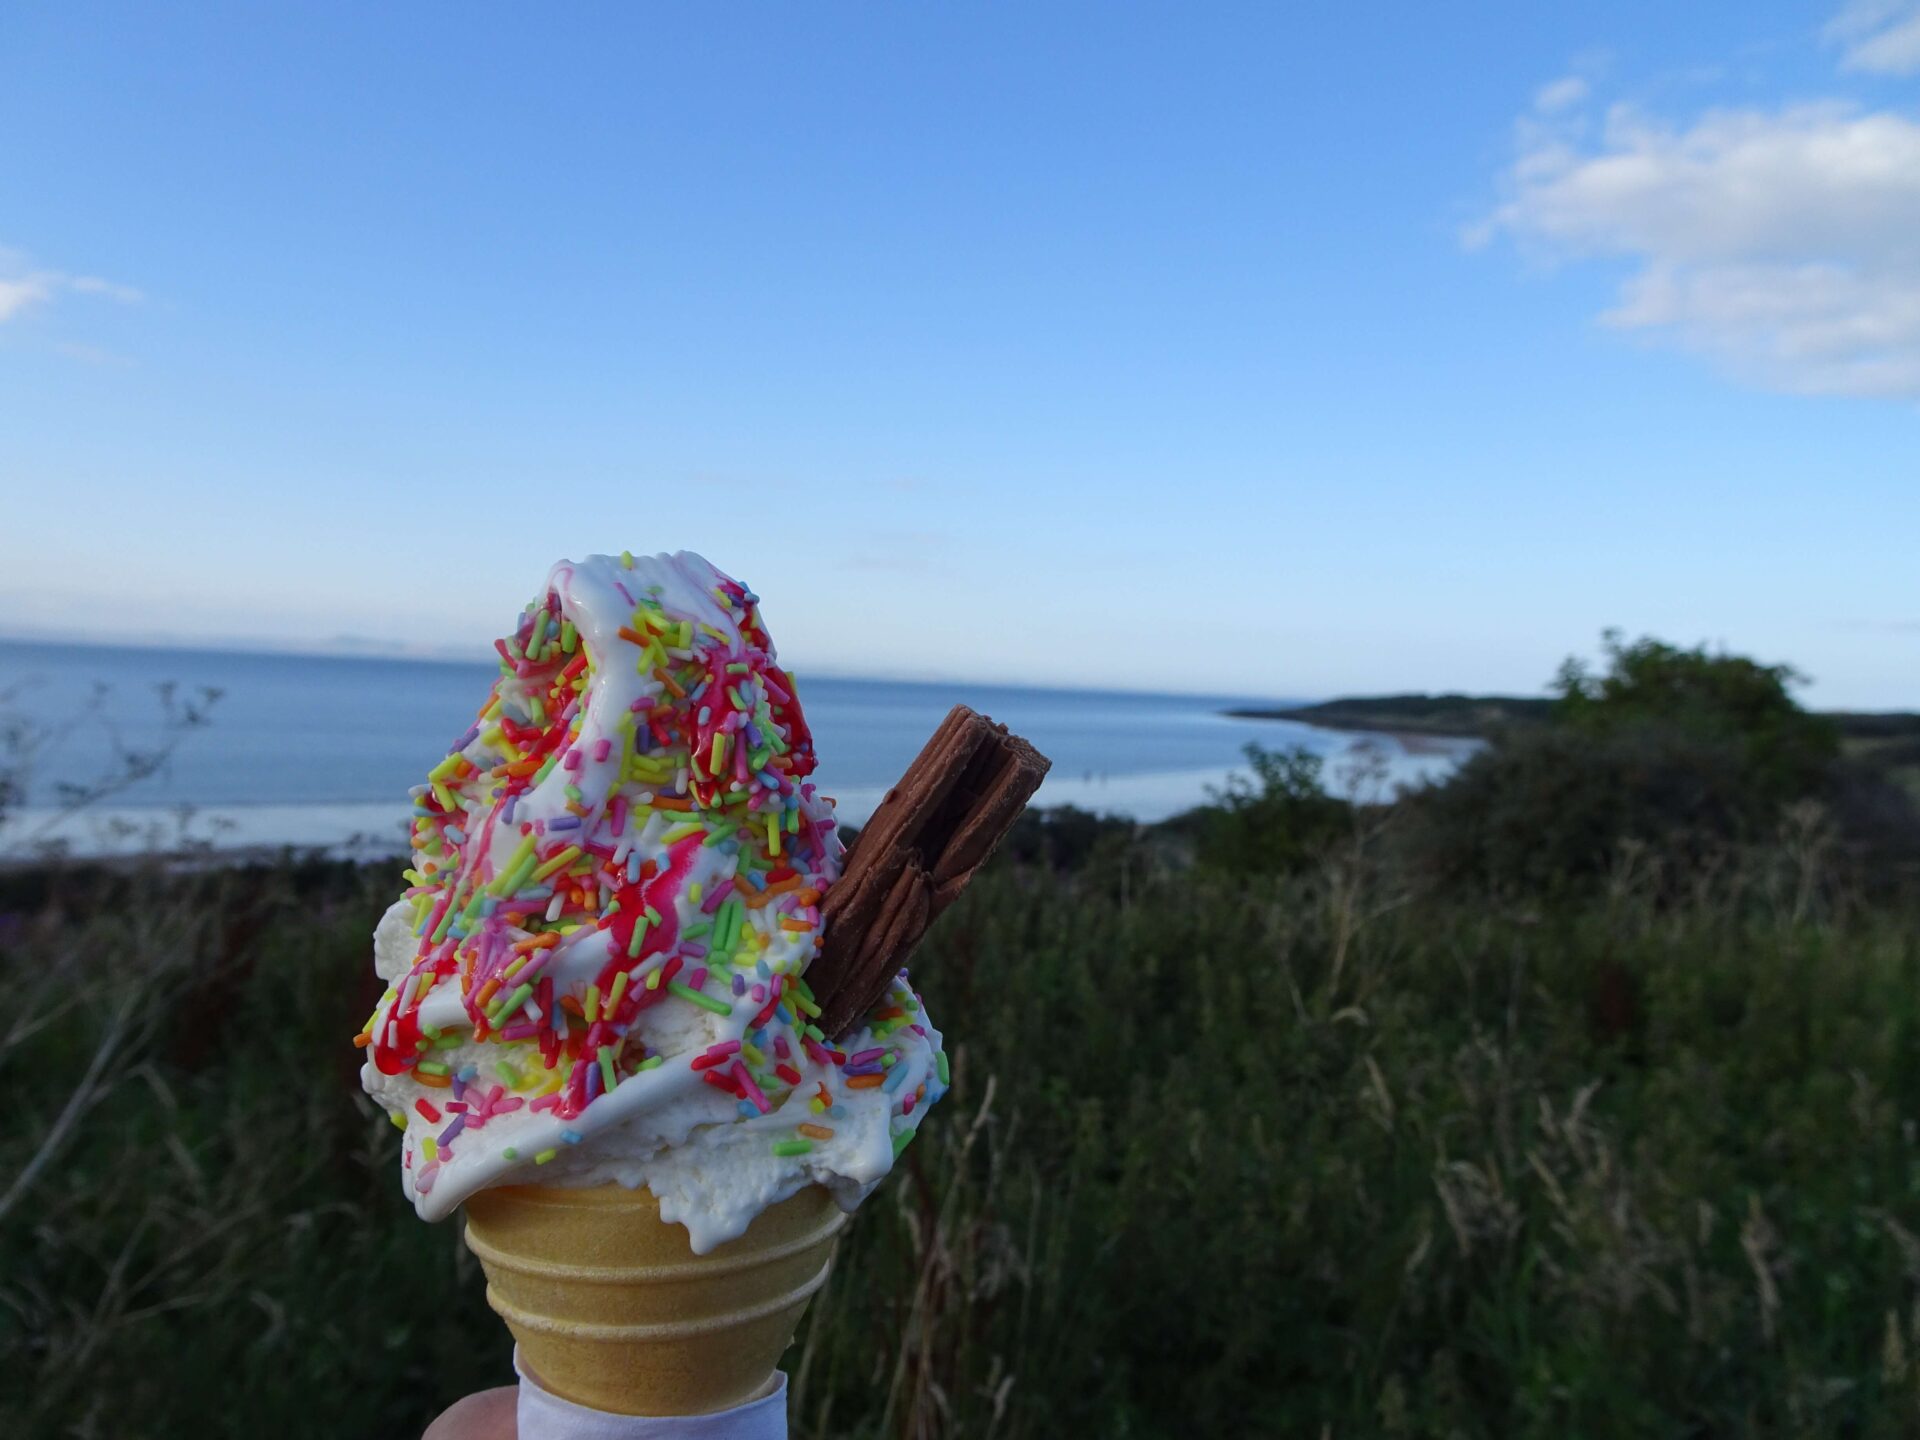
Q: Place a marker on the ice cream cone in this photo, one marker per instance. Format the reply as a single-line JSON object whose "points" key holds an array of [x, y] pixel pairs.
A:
{"points": [[613, 1309]]}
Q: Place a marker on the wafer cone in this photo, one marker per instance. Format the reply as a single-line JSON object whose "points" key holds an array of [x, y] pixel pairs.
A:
{"points": [[613, 1309]]}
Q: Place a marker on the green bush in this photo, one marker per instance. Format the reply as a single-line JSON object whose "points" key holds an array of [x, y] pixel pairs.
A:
{"points": [[1065, 837], [1725, 701], [1278, 821], [1676, 755], [1545, 810]]}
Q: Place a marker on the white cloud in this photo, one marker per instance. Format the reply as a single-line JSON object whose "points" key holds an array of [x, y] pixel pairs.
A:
{"points": [[22, 287], [91, 354], [93, 285], [1560, 94], [24, 290], [1882, 36], [1778, 242]]}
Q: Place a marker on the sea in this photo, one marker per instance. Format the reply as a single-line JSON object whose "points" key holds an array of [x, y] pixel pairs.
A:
{"points": [[317, 752]]}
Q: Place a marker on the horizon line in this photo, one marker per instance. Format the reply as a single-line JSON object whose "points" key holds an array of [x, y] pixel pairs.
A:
{"points": [[353, 648]]}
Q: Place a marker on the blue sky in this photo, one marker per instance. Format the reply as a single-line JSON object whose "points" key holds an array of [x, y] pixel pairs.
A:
{"points": [[1209, 347]]}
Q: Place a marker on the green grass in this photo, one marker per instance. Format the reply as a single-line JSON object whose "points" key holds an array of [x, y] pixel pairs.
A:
{"points": [[1268, 1158]]}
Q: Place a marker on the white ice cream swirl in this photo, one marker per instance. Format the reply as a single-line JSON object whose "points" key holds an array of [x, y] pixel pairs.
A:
{"points": [[596, 974]]}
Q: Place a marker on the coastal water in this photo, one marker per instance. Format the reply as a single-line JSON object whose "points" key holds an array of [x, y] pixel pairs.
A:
{"points": [[320, 750]]}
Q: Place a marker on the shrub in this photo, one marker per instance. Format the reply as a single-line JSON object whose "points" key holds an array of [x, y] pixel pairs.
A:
{"points": [[1278, 822], [1543, 810], [1676, 753], [1726, 701]]}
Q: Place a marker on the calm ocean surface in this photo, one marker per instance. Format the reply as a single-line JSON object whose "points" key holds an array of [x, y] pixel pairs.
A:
{"points": [[310, 750]]}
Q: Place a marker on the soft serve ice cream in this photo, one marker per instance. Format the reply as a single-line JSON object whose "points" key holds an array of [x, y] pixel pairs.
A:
{"points": [[596, 973]]}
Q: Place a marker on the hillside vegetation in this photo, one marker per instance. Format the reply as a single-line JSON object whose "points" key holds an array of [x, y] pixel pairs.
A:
{"points": [[1290, 1117]]}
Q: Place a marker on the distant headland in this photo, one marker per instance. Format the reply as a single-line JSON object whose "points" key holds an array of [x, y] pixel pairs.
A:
{"points": [[1476, 717], [1464, 717]]}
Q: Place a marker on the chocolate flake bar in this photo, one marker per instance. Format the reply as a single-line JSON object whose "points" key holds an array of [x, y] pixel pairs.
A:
{"points": [[937, 826]]}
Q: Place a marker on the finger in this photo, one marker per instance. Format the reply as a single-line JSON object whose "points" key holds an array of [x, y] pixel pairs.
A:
{"points": [[487, 1415]]}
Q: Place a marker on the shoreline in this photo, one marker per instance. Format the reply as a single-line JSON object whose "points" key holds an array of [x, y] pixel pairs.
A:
{"points": [[1409, 716], [218, 835], [1416, 736], [1413, 742]]}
